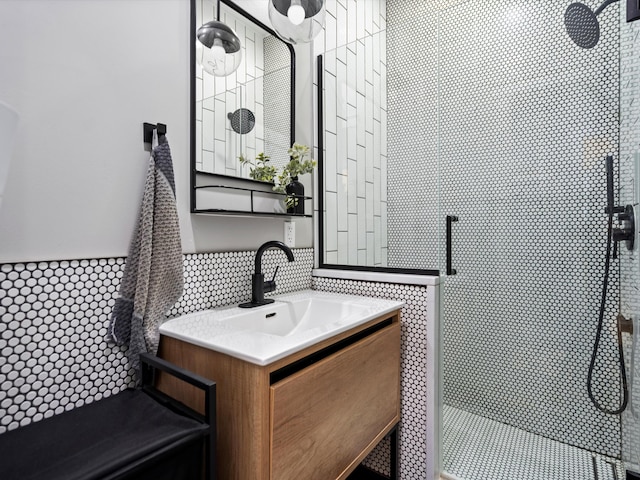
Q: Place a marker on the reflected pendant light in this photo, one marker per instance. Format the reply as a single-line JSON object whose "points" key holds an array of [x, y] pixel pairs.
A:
{"points": [[297, 21], [219, 50]]}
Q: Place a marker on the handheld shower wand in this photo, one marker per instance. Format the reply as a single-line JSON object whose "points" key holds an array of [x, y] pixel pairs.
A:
{"points": [[627, 232]]}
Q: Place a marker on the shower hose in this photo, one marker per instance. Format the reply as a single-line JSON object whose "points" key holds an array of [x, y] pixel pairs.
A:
{"points": [[623, 373]]}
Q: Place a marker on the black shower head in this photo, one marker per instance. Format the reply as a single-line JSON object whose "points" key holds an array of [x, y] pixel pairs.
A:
{"points": [[582, 23], [242, 120]]}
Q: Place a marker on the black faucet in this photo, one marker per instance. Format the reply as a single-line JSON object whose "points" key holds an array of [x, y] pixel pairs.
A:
{"points": [[258, 286]]}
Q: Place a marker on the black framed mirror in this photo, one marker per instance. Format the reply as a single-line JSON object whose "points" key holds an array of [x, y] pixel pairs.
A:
{"points": [[250, 111]]}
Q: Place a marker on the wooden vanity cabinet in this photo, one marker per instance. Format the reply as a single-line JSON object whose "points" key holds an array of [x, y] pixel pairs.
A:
{"points": [[315, 414]]}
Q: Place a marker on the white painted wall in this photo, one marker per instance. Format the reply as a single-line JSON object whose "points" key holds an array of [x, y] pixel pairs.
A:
{"points": [[83, 77]]}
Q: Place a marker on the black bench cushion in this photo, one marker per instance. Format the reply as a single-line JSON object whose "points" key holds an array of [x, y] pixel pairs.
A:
{"points": [[95, 440]]}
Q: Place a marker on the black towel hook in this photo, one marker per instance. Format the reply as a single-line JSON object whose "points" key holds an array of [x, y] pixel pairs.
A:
{"points": [[148, 129]]}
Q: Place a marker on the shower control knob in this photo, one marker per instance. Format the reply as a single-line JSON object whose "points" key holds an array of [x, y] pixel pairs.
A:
{"points": [[627, 230]]}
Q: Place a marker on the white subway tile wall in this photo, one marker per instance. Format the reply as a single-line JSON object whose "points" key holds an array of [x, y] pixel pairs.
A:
{"points": [[353, 44]]}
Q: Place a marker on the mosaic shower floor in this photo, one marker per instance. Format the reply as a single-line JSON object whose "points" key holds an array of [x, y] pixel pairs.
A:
{"points": [[477, 448]]}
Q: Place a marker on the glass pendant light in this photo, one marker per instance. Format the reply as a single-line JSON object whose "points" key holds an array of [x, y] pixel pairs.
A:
{"points": [[297, 21], [220, 53]]}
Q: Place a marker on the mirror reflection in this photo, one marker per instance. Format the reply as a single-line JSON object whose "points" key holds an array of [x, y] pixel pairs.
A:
{"points": [[244, 113]]}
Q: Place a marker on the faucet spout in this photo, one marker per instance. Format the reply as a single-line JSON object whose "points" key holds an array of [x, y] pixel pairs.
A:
{"points": [[258, 286], [271, 244]]}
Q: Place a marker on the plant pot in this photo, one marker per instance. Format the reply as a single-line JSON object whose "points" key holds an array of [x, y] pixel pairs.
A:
{"points": [[296, 190]]}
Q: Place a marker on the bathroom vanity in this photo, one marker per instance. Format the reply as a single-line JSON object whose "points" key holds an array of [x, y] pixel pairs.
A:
{"points": [[313, 402]]}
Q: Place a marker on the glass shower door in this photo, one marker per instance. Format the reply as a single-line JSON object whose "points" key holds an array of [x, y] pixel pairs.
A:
{"points": [[629, 193], [525, 120]]}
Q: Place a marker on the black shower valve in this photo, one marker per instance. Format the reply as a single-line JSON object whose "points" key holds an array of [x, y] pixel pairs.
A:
{"points": [[627, 230]]}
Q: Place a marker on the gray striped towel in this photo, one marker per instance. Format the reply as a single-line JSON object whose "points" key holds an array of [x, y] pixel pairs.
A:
{"points": [[153, 278]]}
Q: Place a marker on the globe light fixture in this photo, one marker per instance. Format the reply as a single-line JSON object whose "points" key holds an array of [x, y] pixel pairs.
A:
{"points": [[220, 52], [297, 21]]}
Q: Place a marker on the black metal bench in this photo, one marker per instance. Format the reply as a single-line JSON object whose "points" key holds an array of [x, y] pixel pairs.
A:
{"points": [[136, 434]]}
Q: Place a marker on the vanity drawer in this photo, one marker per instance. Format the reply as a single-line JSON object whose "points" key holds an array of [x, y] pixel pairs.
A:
{"points": [[324, 417]]}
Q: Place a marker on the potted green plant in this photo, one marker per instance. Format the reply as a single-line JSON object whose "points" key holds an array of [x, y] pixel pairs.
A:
{"points": [[287, 179], [288, 182]]}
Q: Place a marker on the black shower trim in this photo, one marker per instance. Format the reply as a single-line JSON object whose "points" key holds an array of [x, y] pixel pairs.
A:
{"points": [[320, 157], [632, 475], [363, 268]]}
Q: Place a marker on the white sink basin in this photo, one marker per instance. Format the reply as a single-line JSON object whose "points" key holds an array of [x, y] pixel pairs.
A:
{"points": [[264, 334], [287, 317]]}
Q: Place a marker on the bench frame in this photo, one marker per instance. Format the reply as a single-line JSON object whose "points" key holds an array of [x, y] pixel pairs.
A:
{"points": [[149, 366]]}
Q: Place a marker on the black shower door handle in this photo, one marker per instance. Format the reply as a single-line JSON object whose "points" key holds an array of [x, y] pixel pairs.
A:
{"points": [[450, 220]]}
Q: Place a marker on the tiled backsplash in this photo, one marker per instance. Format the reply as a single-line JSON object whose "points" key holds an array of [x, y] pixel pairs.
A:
{"points": [[54, 317]]}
